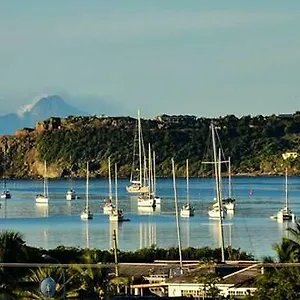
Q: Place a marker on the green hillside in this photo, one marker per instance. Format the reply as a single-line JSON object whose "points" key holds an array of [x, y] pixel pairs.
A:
{"points": [[255, 145]]}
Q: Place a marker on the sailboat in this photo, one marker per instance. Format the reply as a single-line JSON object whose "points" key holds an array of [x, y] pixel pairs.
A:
{"points": [[217, 210], [187, 210], [87, 214], [71, 194], [229, 202], [5, 193], [116, 214], [43, 198], [108, 205], [138, 185], [156, 198], [285, 214], [148, 199]]}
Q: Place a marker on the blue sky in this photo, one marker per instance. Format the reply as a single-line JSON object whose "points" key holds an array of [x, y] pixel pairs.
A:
{"points": [[204, 58]]}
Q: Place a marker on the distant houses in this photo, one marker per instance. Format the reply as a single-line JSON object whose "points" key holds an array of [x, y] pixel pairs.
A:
{"points": [[289, 155]]}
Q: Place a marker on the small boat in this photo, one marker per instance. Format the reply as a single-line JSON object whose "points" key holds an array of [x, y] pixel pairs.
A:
{"points": [[5, 194], [87, 214], [187, 210], [71, 195], [108, 205], [116, 214], [285, 214], [44, 197], [138, 185], [214, 211], [229, 202]]}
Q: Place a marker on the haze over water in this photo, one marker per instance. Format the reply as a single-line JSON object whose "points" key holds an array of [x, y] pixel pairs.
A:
{"points": [[59, 223]]}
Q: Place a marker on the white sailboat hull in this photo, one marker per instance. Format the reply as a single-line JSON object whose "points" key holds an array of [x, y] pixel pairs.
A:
{"points": [[215, 213], [108, 208], [229, 204], [41, 199], [86, 215], [135, 189], [146, 202], [187, 211], [70, 195], [5, 195]]}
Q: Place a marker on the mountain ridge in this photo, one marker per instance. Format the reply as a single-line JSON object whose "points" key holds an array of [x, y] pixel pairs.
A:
{"points": [[39, 109]]}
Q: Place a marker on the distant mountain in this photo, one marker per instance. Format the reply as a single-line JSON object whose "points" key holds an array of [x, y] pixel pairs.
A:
{"points": [[40, 109]]}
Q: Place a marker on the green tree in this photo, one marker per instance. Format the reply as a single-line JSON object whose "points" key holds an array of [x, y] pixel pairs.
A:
{"points": [[12, 250]]}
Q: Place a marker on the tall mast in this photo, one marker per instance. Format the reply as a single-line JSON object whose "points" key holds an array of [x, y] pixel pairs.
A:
{"points": [[109, 181], [116, 186], [154, 175], [177, 218], [187, 183], [229, 178], [218, 194], [150, 171], [140, 146], [87, 186], [286, 189], [45, 179]]}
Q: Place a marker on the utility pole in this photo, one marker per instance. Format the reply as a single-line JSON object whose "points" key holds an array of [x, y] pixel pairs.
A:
{"points": [[116, 253]]}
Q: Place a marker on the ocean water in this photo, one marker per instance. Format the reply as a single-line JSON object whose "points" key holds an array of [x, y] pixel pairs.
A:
{"points": [[59, 223]]}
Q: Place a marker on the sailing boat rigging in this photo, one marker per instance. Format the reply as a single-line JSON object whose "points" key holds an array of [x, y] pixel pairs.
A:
{"points": [[285, 214], [187, 210], [71, 194], [108, 205], [138, 184], [44, 197], [217, 210], [148, 199], [5, 193], [87, 214], [116, 214]]}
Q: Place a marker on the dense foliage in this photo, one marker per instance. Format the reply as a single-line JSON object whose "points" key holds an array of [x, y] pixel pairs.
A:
{"points": [[255, 144]]}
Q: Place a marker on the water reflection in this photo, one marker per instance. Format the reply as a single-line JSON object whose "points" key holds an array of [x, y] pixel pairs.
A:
{"points": [[87, 235], [214, 228], [3, 209], [185, 232], [114, 228], [41, 210], [147, 235], [148, 210]]}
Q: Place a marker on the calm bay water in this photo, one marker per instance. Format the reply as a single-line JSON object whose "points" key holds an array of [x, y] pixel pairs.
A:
{"points": [[59, 223]]}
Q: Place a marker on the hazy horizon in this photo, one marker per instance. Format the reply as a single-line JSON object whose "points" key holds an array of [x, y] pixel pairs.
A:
{"points": [[198, 58]]}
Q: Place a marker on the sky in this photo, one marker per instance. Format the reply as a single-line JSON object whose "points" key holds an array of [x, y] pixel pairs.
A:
{"points": [[194, 57]]}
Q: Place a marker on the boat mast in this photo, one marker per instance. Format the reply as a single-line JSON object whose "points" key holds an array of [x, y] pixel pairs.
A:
{"points": [[177, 218], [150, 171], [187, 183], [45, 180], [229, 178], [286, 189], [154, 175], [116, 186], [218, 194], [140, 147], [109, 181], [87, 186]]}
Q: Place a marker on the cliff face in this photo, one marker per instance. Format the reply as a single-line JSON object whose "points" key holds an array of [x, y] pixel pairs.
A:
{"points": [[66, 144]]}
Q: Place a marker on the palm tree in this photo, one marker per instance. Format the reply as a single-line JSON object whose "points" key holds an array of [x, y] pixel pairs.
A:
{"points": [[88, 282], [12, 250], [289, 249]]}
